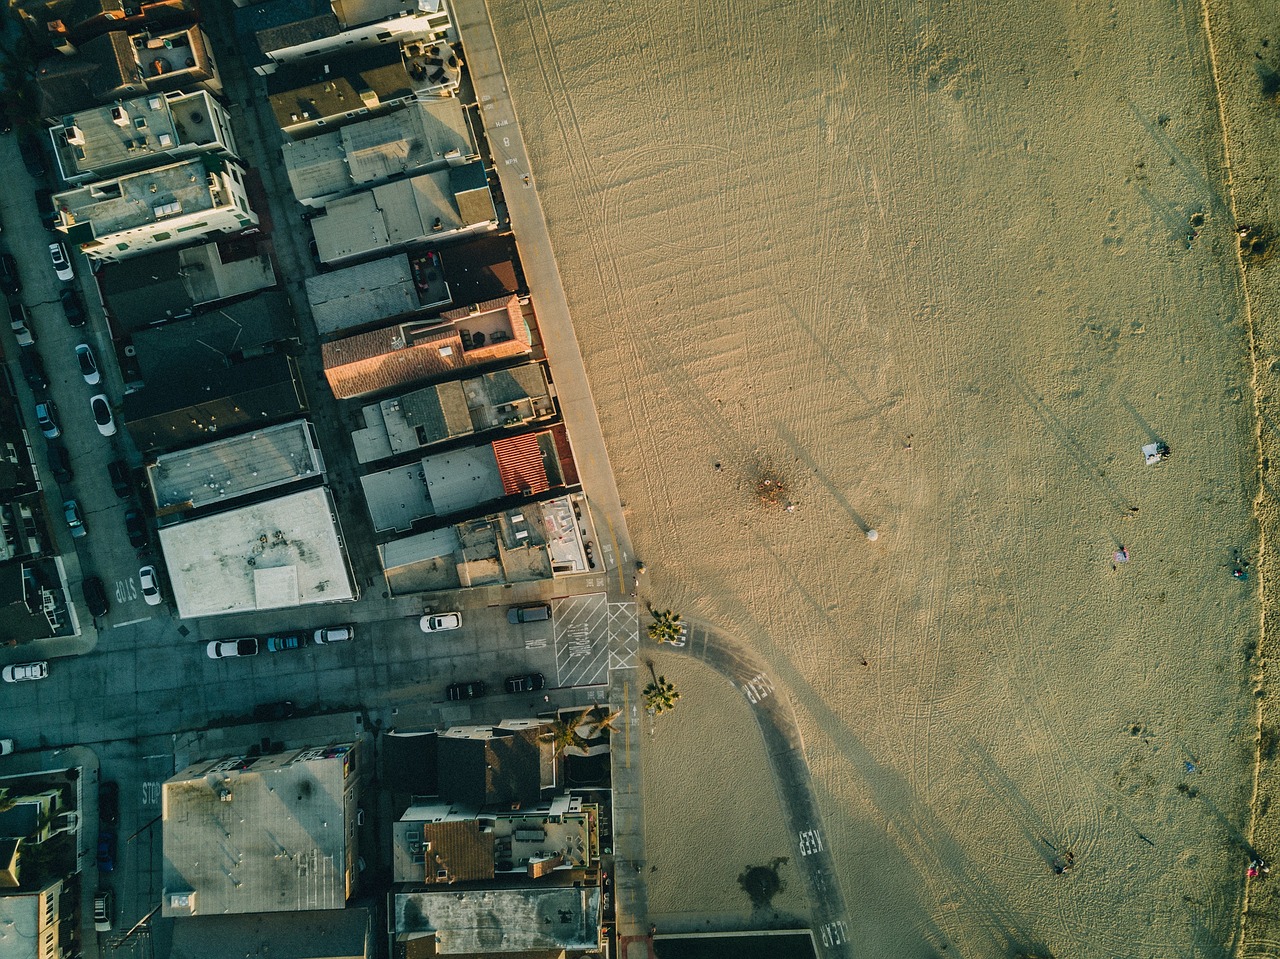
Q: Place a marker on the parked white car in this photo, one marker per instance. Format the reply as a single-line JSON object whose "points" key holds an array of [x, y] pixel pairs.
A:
{"points": [[102, 414], [24, 672], [440, 622], [88, 365], [333, 634], [150, 585], [61, 262]]}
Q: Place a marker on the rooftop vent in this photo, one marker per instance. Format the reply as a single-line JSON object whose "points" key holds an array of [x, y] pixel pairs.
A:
{"points": [[120, 116]]}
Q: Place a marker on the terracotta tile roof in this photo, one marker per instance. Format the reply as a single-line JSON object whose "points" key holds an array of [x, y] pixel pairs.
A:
{"points": [[520, 464], [459, 850], [369, 362]]}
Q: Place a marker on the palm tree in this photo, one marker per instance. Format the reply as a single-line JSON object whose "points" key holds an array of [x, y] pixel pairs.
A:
{"points": [[604, 721], [660, 695], [666, 626], [6, 801], [564, 734]]}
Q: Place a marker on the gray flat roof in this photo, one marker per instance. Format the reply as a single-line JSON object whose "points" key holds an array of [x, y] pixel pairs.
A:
{"points": [[361, 294], [227, 469], [116, 133], [397, 497], [463, 478], [278, 844], [282, 553], [138, 198], [421, 137], [419, 548], [490, 921]]}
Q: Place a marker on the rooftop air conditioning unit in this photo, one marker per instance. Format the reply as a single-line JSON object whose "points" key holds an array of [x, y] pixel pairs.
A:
{"points": [[75, 136], [120, 117]]}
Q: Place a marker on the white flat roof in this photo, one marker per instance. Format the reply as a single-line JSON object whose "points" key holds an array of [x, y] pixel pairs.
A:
{"points": [[281, 553]]}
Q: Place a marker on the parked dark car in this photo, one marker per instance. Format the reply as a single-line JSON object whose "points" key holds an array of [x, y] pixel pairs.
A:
{"points": [[120, 478], [528, 683], [32, 154], [106, 851], [108, 803], [284, 709], [471, 690], [60, 463], [10, 282], [530, 613], [33, 369], [95, 596], [44, 206], [135, 524], [72, 306]]}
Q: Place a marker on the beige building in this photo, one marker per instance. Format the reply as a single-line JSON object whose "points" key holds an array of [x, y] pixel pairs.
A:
{"points": [[256, 834], [29, 927]]}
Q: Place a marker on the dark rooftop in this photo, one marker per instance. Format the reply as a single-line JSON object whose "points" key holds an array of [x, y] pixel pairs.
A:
{"points": [[303, 92], [214, 338], [495, 771], [484, 268], [262, 26], [174, 412], [310, 934]]}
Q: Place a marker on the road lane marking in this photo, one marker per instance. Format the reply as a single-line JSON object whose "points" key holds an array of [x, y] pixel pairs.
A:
{"points": [[133, 622]]}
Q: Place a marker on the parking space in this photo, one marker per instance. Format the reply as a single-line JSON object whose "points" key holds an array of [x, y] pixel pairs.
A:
{"points": [[591, 637]]}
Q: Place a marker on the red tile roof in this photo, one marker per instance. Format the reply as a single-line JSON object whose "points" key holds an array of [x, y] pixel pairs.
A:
{"points": [[520, 464]]}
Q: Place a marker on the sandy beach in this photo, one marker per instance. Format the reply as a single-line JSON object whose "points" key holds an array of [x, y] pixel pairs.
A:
{"points": [[942, 270]]}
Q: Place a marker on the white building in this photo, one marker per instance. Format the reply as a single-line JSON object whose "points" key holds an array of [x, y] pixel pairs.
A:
{"points": [[146, 131], [166, 206], [284, 34]]}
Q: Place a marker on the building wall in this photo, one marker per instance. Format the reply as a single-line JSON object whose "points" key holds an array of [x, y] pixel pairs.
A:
{"points": [[397, 30]]}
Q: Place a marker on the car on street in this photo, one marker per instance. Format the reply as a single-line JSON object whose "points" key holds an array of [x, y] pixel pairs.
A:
{"points": [[528, 683], [47, 418], [333, 634], [226, 648], [10, 282], [103, 911], [119, 473], [33, 370], [95, 596], [285, 641], [60, 463], [471, 690], [44, 206], [88, 365], [6, 747], [72, 307], [32, 154], [102, 414], [108, 803], [135, 526], [150, 581], [529, 613], [282, 709], [61, 262], [24, 672], [21, 324], [106, 850], [75, 522], [440, 622]]}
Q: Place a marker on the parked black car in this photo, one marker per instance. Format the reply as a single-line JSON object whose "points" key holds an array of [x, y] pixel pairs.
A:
{"points": [[10, 282], [44, 206], [108, 803], [33, 369], [72, 306], [135, 524], [32, 154], [528, 683], [95, 597], [471, 690], [60, 463], [119, 478]]}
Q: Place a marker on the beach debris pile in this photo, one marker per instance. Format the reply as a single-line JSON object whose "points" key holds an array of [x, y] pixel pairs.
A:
{"points": [[1156, 452]]}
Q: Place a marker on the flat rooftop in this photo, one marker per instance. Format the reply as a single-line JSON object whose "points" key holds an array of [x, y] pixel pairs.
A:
{"points": [[225, 470], [426, 135], [345, 934], [139, 198], [125, 133], [404, 211], [472, 921], [281, 553], [268, 838], [356, 296]]}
